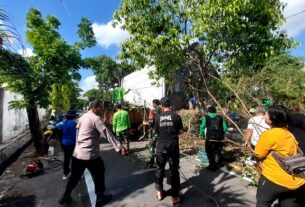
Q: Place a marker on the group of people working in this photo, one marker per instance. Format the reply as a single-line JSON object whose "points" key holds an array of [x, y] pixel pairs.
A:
{"points": [[270, 130], [90, 128]]}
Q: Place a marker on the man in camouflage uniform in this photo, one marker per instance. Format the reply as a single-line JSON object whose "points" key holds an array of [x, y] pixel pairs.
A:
{"points": [[151, 146]]}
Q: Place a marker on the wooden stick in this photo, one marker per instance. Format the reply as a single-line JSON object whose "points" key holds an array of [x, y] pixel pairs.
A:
{"points": [[144, 116]]}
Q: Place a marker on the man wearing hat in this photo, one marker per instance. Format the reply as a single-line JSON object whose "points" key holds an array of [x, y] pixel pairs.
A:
{"points": [[167, 127], [68, 131]]}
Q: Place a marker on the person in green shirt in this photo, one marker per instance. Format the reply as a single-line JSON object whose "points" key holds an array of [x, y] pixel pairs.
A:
{"points": [[266, 101], [121, 124], [118, 94], [213, 128]]}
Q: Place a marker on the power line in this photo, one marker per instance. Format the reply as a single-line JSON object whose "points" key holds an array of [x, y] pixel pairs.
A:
{"points": [[295, 14]]}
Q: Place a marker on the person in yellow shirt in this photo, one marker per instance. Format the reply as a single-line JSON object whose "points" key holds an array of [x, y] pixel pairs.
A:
{"points": [[275, 183]]}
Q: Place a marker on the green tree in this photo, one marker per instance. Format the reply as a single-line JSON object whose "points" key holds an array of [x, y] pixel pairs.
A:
{"points": [[200, 38], [60, 97], [54, 61], [108, 72], [93, 94], [75, 102], [281, 79]]}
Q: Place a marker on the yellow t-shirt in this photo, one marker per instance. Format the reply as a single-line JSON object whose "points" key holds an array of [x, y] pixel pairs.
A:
{"points": [[281, 141]]}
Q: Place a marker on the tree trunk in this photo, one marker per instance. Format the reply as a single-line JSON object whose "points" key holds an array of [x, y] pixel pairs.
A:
{"points": [[35, 129]]}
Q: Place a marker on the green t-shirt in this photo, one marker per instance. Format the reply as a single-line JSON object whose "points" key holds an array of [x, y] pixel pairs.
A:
{"points": [[118, 94], [266, 102], [121, 121]]}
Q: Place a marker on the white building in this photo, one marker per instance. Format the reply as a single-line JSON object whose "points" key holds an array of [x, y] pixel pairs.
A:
{"points": [[144, 89]]}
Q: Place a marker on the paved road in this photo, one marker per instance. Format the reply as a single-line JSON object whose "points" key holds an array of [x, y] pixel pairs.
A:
{"points": [[132, 185]]}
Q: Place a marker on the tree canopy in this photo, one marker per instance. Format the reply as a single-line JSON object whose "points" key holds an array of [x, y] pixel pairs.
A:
{"points": [[54, 62], [107, 71], [228, 37]]}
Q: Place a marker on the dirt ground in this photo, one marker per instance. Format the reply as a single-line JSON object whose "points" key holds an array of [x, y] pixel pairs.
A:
{"points": [[22, 191]]}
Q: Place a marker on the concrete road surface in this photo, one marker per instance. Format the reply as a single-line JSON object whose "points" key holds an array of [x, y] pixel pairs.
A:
{"points": [[133, 186]]}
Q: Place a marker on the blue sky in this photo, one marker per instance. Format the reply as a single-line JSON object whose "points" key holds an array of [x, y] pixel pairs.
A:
{"points": [[69, 13]]}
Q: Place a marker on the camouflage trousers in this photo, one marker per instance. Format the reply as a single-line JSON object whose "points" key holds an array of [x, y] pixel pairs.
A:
{"points": [[151, 147]]}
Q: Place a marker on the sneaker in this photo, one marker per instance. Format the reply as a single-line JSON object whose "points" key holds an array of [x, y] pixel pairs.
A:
{"points": [[65, 177], [65, 199], [103, 200]]}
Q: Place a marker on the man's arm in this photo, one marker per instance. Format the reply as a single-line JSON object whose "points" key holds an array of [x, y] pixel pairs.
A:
{"points": [[202, 127], [157, 123], [114, 123], [248, 136], [224, 125], [125, 92], [180, 125], [128, 121], [104, 131]]}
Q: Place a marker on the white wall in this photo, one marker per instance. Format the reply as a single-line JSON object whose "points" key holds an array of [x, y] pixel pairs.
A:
{"points": [[15, 121], [141, 88]]}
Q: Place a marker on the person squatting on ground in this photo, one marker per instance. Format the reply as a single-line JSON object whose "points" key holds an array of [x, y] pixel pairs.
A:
{"points": [[256, 126], [68, 130], [86, 154], [168, 126], [213, 128], [275, 182], [152, 136], [121, 125]]}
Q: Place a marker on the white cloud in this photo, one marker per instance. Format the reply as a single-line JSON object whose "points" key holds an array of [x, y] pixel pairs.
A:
{"points": [[296, 24], [27, 52], [88, 83], [107, 35]]}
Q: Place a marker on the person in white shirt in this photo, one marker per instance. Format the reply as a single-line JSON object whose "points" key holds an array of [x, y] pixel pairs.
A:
{"points": [[256, 126]]}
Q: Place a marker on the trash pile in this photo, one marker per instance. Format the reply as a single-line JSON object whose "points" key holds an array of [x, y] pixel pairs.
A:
{"points": [[237, 159]]}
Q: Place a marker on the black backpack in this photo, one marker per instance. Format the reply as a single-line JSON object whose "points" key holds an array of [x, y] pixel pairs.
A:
{"points": [[214, 127]]}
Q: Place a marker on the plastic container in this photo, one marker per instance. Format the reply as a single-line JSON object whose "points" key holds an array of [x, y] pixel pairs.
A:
{"points": [[202, 155], [51, 151]]}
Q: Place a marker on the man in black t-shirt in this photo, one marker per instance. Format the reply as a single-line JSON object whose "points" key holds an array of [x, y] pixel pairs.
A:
{"points": [[168, 125]]}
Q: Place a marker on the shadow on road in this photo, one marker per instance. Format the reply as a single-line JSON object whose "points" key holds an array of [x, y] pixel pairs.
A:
{"points": [[215, 188]]}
